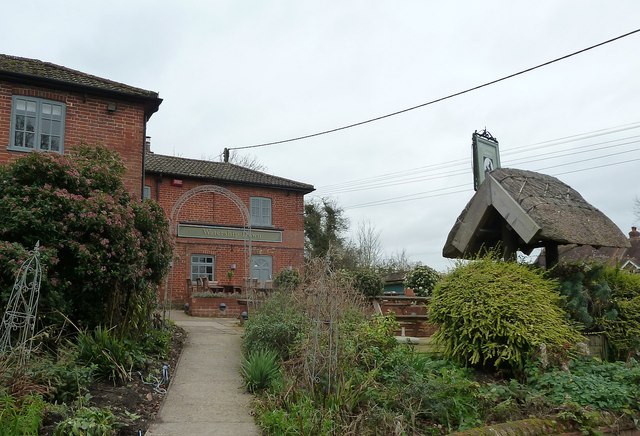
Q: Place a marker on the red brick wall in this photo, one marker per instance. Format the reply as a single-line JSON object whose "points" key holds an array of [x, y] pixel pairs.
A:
{"points": [[287, 210], [88, 121]]}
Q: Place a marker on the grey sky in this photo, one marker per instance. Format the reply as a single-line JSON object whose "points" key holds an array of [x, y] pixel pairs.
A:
{"points": [[238, 73]]}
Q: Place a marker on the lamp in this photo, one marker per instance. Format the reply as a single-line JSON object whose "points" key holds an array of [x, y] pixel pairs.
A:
{"points": [[111, 107]]}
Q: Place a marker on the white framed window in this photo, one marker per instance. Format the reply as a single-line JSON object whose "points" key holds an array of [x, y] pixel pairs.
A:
{"points": [[146, 193], [260, 211], [261, 268], [202, 265], [37, 124]]}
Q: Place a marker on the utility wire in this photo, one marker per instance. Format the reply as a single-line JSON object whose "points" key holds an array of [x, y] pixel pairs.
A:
{"points": [[441, 98], [403, 199], [453, 173], [465, 162]]}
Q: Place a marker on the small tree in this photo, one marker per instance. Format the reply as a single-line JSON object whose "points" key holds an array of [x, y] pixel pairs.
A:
{"points": [[422, 279], [287, 280], [368, 281]]}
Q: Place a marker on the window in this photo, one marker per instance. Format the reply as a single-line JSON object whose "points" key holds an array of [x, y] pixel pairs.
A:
{"points": [[261, 269], [202, 265], [261, 211], [146, 193], [37, 124]]}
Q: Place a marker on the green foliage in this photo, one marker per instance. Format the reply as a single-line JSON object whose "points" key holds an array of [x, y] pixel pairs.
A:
{"points": [[298, 416], [367, 342], [422, 279], [496, 313], [602, 386], [587, 293], [431, 393], [287, 280], [22, 419], [103, 249], [112, 356], [260, 370], [623, 332], [368, 281], [67, 380], [88, 421], [324, 223], [157, 342], [274, 326]]}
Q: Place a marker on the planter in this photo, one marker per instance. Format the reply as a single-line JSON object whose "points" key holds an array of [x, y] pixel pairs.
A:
{"points": [[217, 307]]}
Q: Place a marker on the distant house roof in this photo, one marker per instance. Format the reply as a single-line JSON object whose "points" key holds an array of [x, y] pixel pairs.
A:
{"points": [[219, 172], [37, 72], [536, 207], [625, 257]]}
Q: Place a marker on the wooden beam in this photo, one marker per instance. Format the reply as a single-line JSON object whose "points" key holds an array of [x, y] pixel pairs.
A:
{"points": [[480, 202], [511, 211]]}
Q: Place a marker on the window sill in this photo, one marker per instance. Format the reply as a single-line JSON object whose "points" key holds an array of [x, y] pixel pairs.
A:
{"points": [[31, 150]]}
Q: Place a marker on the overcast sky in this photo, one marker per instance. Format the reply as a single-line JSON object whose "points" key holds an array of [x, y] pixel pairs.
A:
{"points": [[235, 73]]}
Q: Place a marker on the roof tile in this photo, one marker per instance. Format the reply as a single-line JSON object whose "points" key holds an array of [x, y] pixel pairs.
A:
{"points": [[218, 171], [45, 70]]}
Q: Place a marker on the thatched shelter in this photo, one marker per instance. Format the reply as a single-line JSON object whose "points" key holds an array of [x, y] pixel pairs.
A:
{"points": [[522, 210]]}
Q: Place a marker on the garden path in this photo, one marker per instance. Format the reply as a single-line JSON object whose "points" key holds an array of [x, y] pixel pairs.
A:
{"points": [[206, 396]]}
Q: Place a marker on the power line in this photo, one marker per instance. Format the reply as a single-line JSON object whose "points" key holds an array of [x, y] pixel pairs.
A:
{"points": [[403, 200], [438, 99], [520, 161], [466, 163]]}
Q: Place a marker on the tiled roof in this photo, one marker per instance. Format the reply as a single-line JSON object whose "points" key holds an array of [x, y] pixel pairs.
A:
{"points": [[36, 69], [218, 171]]}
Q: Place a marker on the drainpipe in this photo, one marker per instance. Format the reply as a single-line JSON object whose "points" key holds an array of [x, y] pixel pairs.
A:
{"points": [[144, 152]]}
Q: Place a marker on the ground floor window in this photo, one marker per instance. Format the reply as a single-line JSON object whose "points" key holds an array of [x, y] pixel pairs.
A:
{"points": [[261, 269], [202, 265]]}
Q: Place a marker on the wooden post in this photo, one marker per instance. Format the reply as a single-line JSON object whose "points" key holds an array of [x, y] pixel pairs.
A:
{"points": [[551, 254], [509, 243]]}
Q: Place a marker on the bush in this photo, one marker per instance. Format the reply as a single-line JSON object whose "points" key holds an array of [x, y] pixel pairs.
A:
{"points": [[422, 279], [67, 379], [92, 421], [497, 313], [602, 386], [587, 293], [369, 282], [287, 280], [274, 326], [623, 332], [104, 249], [260, 370]]}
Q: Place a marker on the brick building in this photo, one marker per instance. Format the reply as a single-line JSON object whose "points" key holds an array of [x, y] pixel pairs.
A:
{"points": [[211, 230], [49, 107]]}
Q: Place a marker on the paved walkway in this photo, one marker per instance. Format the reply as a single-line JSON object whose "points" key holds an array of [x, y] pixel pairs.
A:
{"points": [[206, 396]]}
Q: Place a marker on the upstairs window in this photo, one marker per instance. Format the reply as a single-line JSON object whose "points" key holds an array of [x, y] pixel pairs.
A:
{"points": [[37, 124], [260, 211], [146, 193]]}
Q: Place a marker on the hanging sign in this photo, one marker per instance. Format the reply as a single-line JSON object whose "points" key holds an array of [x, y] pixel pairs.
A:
{"points": [[486, 156]]}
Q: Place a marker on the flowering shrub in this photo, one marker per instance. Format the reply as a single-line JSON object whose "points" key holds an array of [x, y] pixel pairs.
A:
{"points": [[104, 248], [422, 279]]}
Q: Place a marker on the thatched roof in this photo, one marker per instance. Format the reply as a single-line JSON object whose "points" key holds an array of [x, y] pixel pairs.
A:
{"points": [[536, 208]]}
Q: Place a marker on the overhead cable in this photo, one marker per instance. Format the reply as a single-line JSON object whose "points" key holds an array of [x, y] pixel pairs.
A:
{"points": [[324, 132]]}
